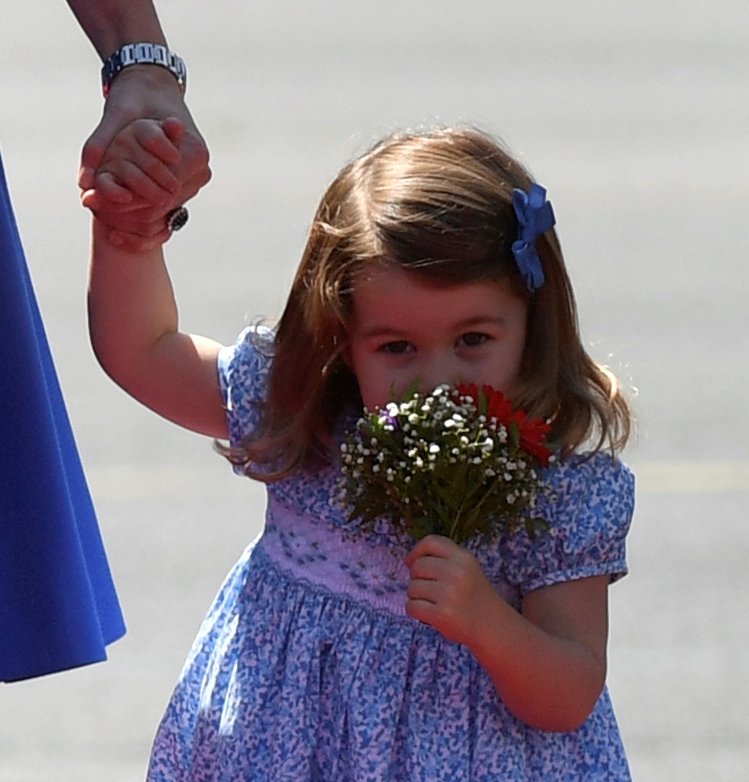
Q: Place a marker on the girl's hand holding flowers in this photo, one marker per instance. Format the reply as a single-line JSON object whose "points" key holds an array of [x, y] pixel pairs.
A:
{"points": [[448, 590]]}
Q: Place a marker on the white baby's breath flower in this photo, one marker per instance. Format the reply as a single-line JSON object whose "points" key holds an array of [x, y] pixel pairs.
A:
{"points": [[437, 440]]}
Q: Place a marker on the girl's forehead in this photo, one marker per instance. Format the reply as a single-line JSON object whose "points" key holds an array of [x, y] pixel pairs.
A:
{"points": [[391, 298]]}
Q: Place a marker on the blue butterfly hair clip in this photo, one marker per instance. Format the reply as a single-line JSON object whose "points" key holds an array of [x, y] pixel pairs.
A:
{"points": [[535, 216]]}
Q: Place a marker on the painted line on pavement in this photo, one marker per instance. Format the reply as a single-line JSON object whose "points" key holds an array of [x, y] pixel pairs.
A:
{"points": [[135, 482]]}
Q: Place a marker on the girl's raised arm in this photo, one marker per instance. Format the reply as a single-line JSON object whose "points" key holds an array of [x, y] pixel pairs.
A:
{"points": [[133, 325]]}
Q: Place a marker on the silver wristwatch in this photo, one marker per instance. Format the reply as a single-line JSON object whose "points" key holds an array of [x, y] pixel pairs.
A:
{"points": [[136, 53]]}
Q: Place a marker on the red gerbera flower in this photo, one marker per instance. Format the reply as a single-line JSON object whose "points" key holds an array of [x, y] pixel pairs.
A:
{"points": [[498, 405], [532, 431]]}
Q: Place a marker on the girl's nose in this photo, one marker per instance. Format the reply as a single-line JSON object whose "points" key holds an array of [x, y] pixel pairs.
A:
{"points": [[437, 371]]}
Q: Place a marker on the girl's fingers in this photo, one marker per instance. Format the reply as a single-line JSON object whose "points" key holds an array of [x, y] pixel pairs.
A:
{"points": [[433, 545], [154, 140], [174, 129], [145, 176], [429, 590], [428, 567], [426, 611], [111, 189], [143, 169]]}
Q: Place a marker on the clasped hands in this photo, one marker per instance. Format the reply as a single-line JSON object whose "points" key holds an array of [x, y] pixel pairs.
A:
{"points": [[145, 158]]}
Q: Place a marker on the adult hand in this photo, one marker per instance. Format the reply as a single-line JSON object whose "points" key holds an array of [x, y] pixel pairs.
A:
{"points": [[134, 208], [140, 161]]}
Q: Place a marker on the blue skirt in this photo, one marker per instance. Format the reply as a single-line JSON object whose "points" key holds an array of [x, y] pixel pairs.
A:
{"points": [[58, 605]]}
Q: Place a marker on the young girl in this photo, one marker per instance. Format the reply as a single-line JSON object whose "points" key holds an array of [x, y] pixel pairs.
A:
{"points": [[326, 656]]}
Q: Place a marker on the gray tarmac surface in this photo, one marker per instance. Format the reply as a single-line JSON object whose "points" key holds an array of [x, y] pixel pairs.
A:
{"points": [[635, 118]]}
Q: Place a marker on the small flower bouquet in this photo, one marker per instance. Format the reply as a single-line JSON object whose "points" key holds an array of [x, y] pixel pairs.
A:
{"points": [[454, 462]]}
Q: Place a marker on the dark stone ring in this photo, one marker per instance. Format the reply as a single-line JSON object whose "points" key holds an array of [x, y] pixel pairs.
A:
{"points": [[177, 218]]}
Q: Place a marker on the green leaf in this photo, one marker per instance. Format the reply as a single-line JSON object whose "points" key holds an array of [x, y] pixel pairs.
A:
{"points": [[482, 403], [514, 433]]}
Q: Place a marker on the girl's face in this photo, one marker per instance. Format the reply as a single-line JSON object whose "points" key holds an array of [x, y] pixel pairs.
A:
{"points": [[405, 330]]}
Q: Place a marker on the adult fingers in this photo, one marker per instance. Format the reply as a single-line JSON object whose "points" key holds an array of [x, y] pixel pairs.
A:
{"points": [[95, 146], [135, 243], [124, 224], [137, 209], [191, 186], [133, 223]]}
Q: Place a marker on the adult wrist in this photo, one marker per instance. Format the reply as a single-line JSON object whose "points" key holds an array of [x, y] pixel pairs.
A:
{"points": [[143, 53]]}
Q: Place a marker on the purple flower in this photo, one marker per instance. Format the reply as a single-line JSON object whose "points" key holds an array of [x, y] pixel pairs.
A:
{"points": [[387, 419]]}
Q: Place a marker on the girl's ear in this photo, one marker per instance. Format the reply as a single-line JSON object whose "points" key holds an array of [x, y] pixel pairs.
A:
{"points": [[345, 353]]}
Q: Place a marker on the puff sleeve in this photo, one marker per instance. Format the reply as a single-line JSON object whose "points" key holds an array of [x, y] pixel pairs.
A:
{"points": [[589, 507], [243, 370]]}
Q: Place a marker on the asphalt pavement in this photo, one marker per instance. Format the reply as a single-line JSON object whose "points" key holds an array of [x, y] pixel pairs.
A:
{"points": [[633, 115]]}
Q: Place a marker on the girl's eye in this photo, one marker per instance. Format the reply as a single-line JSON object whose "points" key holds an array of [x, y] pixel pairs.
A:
{"points": [[396, 348], [473, 339]]}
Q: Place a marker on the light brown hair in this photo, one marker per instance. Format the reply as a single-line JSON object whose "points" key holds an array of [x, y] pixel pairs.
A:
{"points": [[438, 204]]}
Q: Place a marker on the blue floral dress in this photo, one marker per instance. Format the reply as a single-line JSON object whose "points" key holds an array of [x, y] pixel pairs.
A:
{"points": [[307, 667]]}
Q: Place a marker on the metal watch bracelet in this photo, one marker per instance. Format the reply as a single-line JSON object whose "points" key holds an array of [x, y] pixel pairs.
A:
{"points": [[148, 53]]}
